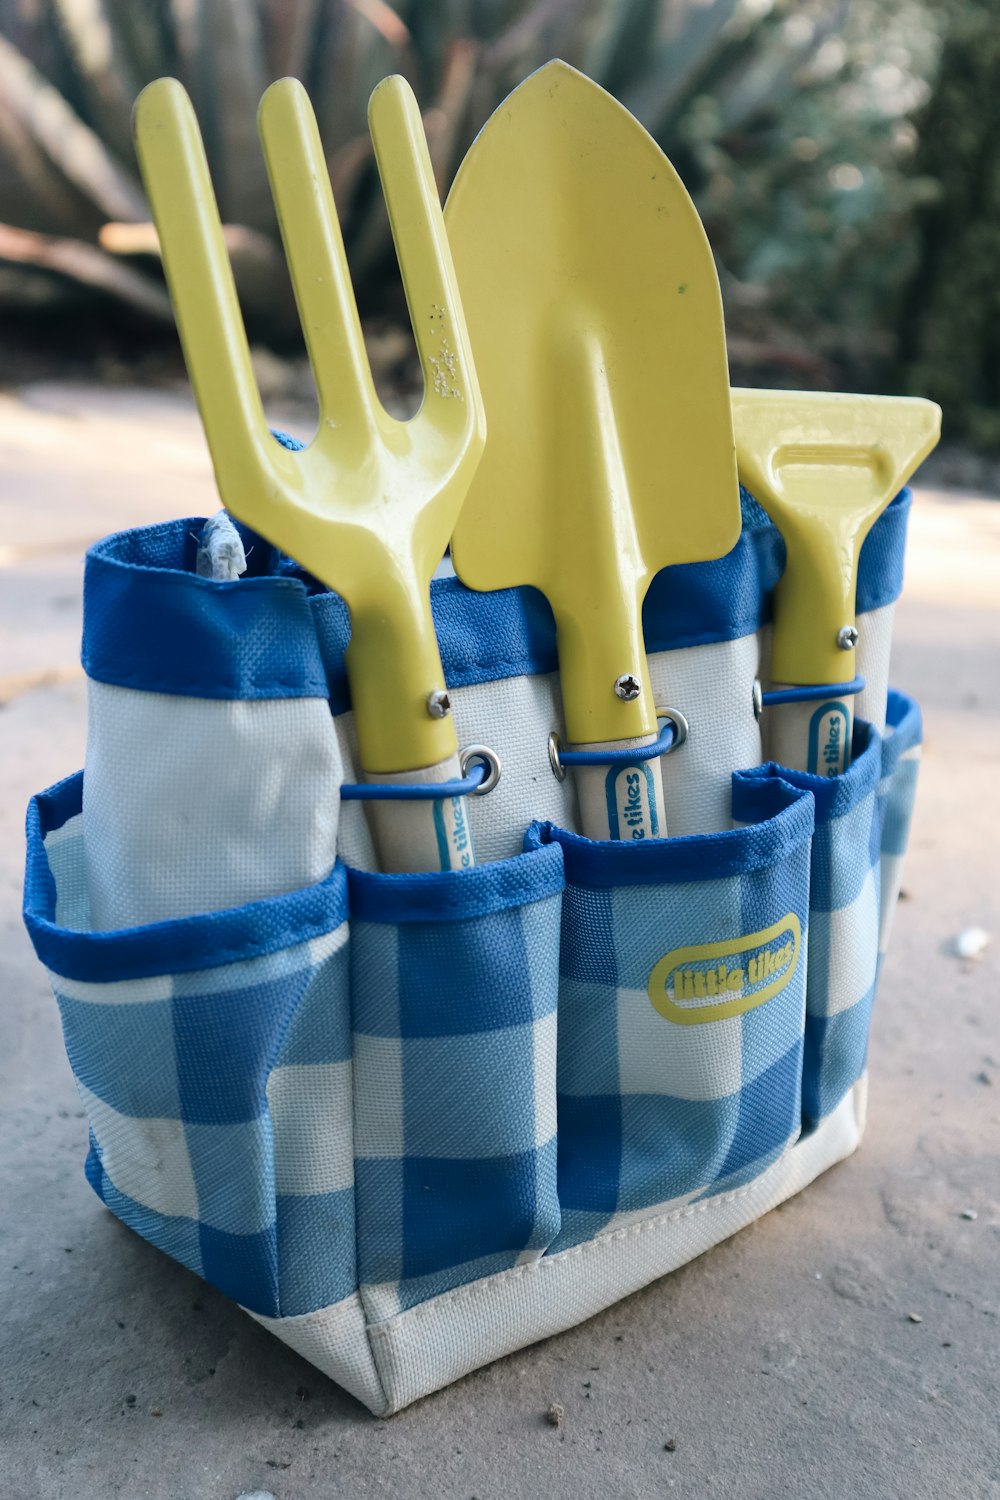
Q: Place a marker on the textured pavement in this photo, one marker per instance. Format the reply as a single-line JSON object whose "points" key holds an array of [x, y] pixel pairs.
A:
{"points": [[848, 1345]]}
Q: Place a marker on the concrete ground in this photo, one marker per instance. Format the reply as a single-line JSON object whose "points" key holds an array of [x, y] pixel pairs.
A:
{"points": [[846, 1346]]}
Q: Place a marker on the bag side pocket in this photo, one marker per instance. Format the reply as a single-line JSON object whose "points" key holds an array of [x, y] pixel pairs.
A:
{"points": [[681, 1010], [843, 923], [454, 984], [206, 1049], [897, 792]]}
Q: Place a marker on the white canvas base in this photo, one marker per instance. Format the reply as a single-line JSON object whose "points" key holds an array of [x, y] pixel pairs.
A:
{"points": [[390, 1364]]}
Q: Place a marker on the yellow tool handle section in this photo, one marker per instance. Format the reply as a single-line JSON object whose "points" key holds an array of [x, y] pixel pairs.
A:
{"points": [[200, 279], [393, 666], [369, 506], [600, 644], [451, 392], [824, 466], [813, 601]]}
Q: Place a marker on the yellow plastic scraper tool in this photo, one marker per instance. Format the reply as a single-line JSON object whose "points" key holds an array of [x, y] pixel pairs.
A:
{"points": [[369, 505], [824, 467], [594, 309]]}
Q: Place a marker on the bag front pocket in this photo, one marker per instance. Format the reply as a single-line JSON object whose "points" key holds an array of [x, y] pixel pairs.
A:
{"points": [[212, 1054], [681, 1001], [454, 984]]}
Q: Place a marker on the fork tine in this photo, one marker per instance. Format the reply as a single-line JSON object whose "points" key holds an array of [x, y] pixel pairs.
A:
{"points": [[425, 260], [314, 248], [200, 278]]}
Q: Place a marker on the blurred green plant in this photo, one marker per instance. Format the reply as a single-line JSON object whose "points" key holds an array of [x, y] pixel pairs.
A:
{"points": [[788, 119], [951, 323]]}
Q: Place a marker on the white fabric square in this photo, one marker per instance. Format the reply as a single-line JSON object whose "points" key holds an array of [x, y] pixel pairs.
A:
{"points": [[311, 1112], [117, 992], [545, 1077], [194, 804], [851, 938], [378, 1096], [712, 685], [147, 1160], [657, 1056]]}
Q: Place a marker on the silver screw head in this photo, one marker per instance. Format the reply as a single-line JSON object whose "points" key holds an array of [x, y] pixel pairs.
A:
{"points": [[758, 699], [627, 687], [439, 703], [847, 637]]}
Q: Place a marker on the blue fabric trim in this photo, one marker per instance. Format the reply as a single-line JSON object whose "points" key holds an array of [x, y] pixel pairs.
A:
{"points": [[175, 947], [276, 633], [456, 895], [834, 795], [904, 718], [880, 566], [779, 818], [151, 623]]}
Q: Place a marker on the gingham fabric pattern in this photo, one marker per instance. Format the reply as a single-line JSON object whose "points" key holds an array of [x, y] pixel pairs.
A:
{"points": [[454, 990], [656, 1111], [897, 793], [843, 924], [571, 1067], [213, 1057]]}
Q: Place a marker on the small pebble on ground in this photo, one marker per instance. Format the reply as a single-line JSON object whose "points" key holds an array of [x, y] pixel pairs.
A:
{"points": [[554, 1415], [971, 942]]}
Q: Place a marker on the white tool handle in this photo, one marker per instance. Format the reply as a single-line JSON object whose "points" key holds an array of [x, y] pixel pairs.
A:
{"points": [[813, 736], [621, 801], [422, 835]]}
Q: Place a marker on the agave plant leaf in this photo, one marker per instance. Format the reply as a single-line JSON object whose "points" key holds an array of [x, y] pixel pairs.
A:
{"points": [[627, 32], [95, 44], [73, 147], [42, 194], [679, 63], [85, 264], [295, 35], [231, 31], [445, 122]]}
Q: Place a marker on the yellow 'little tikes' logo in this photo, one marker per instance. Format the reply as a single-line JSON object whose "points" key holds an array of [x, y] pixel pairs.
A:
{"points": [[710, 981]]}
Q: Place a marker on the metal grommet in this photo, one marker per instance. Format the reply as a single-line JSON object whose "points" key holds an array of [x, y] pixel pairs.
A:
{"points": [[468, 758], [758, 699], [679, 722], [558, 769]]}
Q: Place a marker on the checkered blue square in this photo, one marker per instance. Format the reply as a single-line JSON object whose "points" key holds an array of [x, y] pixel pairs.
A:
{"points": [[681, 1000], [454, 985]]}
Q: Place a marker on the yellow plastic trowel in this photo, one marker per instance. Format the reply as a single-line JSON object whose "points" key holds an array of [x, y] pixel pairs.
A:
{"points": [[824, 467], [369, 505], [593, 306]]}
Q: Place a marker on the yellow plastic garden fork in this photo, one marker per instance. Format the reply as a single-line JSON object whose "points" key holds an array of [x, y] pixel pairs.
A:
{"points": [[368, 507]]}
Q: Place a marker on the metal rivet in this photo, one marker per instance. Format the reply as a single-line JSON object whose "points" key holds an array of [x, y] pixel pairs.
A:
{"points": [[679, 722], [558, 769], [847, 637], [628, 687], [467, 759], [439, 703], [758, 699]]}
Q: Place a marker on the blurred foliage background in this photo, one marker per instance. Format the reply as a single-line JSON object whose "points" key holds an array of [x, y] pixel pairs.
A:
{"points": [[842, 154]]}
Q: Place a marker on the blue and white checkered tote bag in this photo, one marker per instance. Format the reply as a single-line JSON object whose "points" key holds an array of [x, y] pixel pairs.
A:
{"points": [[414, 1122]]}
